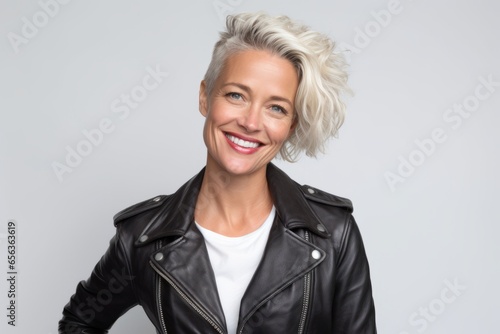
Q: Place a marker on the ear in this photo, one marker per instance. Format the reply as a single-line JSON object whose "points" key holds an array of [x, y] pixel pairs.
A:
{"points": [[203, 99]]}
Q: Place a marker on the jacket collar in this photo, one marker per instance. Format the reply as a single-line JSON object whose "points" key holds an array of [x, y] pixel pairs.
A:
{"points": [[177, 214]]}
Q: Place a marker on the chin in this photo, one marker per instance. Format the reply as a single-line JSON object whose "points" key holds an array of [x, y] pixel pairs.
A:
{"points": [[240, 167]]}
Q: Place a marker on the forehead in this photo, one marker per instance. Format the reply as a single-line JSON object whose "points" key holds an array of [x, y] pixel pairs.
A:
{"points": [[260, 69]]}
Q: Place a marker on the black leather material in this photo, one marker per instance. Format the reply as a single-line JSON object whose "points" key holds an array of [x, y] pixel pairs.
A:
{"points": [[313, 278]]}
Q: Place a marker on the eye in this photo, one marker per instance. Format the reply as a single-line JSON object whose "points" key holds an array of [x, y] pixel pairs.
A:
{"points": [[234, 96], [279, 109]]}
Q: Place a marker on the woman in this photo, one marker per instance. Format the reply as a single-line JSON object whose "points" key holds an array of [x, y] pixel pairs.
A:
{"points": [[242, 248]]}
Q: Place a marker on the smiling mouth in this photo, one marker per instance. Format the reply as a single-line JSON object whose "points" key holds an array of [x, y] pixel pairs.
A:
{"points": [[241, 142]]}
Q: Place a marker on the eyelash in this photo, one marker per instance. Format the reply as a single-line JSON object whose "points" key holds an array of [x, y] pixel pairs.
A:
{"points": [[231, 95], [282, 109]]}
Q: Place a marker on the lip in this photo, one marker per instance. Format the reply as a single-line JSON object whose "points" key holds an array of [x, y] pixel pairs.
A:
{"points": [[240, 149], [243, 137]]}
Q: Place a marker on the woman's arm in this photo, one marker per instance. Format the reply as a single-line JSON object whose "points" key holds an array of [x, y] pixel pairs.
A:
{"points": [[103, 297], [353, 309]]}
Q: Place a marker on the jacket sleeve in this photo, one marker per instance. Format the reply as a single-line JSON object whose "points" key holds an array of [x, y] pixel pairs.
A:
{"points": [[100, 300], [354, 310]]}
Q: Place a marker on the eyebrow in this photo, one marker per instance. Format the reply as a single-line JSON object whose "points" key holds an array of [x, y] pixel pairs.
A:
{"points": [[249, 90]]}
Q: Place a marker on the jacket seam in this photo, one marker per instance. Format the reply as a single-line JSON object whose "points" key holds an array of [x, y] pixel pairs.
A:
{"points": [[345, 233], [127, 263]]}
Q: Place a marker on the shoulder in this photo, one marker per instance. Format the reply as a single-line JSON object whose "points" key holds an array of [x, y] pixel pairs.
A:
{"points": [[334, 212], [322, 197], [138, 208]]}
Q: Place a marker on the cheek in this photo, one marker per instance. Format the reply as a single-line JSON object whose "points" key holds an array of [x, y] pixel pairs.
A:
{"points": [[280, 132], [214, 119], [218, 113]]}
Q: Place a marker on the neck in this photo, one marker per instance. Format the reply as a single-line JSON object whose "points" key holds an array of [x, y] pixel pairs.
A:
{"points": [[233, 205]]}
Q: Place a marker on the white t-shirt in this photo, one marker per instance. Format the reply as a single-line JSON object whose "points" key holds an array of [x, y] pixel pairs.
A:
{"points": [[234, 261]]}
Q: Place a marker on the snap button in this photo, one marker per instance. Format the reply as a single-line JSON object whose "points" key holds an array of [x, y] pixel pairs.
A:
{"points": [[315, 254], [320, 228], [156, 199], [143, 238], [159, 256], [310, 190]]}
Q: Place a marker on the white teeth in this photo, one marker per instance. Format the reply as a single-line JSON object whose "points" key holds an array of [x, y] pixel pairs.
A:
{"points": [[241, 142]]}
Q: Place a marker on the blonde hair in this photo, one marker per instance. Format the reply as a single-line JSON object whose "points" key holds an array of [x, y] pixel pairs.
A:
{"points": [[322, 74]]}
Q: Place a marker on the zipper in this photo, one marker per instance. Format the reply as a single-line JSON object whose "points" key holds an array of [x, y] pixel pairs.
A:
{"points": [[189, 301], [307, 293], [305, 304], [158, 301]]}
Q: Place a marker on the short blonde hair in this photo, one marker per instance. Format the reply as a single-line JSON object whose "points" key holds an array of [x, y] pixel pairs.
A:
{"points": [[322, 74]]}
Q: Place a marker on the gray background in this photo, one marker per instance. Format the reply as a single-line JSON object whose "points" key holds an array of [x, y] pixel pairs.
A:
{"points": [[440, 225]]}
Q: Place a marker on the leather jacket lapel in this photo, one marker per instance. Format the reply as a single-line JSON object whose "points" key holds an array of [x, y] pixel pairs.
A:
{"points": [[287, 257], [183, 262], [185, 265]]}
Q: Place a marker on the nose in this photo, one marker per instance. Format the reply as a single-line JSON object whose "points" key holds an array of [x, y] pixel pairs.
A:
{"points": [[251, 119]]}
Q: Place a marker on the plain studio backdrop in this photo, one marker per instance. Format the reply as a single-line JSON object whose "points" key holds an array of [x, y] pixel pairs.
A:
{"points": [[99, 110]]}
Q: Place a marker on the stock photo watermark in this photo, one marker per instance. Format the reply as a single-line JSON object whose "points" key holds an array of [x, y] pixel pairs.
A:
{"points": [[31, 26], [453, 117], [93, 305], [225, 7], [371, 29], [121, 107], [11, 272], [421, 319]]}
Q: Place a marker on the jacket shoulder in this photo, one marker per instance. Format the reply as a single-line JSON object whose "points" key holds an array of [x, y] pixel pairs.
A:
{"points": [[139, 208], [320, 196]]}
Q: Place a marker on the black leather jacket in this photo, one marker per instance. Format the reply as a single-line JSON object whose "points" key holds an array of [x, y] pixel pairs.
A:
{"points": [[313, 277]]}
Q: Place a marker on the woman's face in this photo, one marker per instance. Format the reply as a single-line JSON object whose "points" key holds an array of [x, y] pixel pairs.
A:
{"points": [[250, 111]]}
